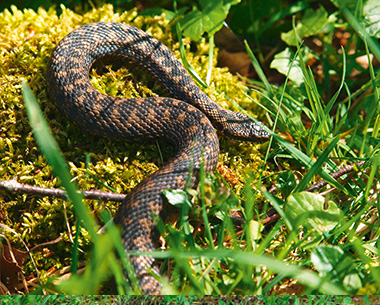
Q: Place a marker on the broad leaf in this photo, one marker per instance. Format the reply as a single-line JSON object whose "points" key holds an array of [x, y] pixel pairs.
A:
{"points": [[177, 197], [371, 11], [282, 62], [209, 18], [313, 211], [313, 22]]}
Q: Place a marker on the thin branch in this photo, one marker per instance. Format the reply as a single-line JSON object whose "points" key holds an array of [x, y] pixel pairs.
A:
{"points": [[48, 243], [343, 170], [14, 186]]}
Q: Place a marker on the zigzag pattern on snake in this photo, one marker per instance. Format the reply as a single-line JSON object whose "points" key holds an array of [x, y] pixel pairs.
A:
{"points": [[187, 120]]}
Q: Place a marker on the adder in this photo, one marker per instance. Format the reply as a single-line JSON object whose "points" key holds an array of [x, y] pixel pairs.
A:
{"points": [[187, 120]]}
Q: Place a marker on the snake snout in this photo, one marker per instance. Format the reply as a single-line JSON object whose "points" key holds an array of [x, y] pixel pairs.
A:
{"points": [[240, 127]]}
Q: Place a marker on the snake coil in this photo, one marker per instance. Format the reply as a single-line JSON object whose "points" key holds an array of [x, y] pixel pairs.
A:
{"points": [[187, 121]]}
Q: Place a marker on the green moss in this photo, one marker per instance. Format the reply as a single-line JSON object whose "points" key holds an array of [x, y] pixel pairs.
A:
{"points": [[27, 39]]}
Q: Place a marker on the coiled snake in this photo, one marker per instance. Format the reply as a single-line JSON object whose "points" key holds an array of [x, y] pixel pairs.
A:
{"points": [[185, 121]]}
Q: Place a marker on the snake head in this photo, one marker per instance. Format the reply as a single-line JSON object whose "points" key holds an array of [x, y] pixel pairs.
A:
{"points": [[239, 126]]}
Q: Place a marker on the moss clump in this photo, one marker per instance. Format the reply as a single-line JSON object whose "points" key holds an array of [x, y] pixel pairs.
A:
{"points": [[27, 39]]}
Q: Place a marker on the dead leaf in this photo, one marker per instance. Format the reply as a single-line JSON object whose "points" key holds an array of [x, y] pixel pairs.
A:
{"points": [[237, 62], [227, 174], [11, 262]]}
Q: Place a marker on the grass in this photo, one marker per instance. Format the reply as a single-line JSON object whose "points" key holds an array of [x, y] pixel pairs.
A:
{"points": [[187, 300], [326, 243]]}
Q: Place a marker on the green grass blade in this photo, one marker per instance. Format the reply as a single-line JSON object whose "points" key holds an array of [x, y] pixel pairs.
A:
{"points": [[292, 9], [276, 204], [317, 166], [374, 169], [258, 69], [299, 155], [360, 30], [102, 256], [332, 101], [185, 62], [51, 151], [246, 259], [204, 211], [210, 60]]}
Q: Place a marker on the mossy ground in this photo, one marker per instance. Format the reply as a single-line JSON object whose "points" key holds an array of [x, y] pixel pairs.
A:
{"points": [[27, 39]]}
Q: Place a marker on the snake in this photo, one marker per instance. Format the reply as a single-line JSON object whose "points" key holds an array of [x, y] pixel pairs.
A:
{"points": [[187, 119]]}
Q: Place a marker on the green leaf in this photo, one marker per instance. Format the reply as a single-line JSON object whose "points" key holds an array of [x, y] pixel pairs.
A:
{"points": [[208, 19], [286, 182], [371, 12], [351, 4], [177, 197], [313, 211], [347, 300], [255, 229], [291, 9], [332, 260], [352, 282], [326, 257], [282, 62], [312, 23]]}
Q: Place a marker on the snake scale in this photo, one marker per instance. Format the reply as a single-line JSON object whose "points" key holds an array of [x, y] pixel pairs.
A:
{"points": [[187, 120]]}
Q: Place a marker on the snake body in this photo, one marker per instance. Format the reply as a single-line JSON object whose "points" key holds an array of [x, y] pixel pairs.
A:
{"points": [[187, 120]]}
